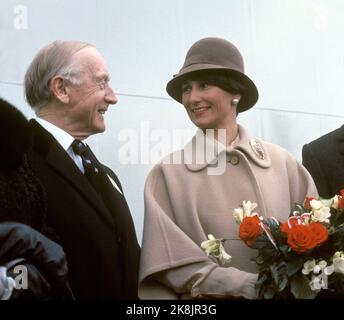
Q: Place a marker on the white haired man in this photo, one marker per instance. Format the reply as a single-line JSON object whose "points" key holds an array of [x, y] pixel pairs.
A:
{"points": [[67, 84]]}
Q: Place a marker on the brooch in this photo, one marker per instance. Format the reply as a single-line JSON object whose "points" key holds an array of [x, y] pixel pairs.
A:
{"points": [[257, 148]]}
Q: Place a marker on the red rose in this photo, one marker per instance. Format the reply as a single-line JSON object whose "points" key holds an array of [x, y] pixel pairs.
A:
{"points": [[320, 233], [340, 202], [301, 238], [286, 226], [249, 229], [308, 203]]}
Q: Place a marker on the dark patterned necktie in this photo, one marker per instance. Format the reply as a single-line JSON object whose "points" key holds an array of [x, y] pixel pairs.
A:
{"points": [[90, 163], [98, 178]]}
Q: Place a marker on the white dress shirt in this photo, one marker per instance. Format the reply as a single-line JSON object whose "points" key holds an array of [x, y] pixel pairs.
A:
{"points": [[66, 140]]}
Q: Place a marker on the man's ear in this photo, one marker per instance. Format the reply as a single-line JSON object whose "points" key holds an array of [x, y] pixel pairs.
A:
{"points": [[59, 88]]}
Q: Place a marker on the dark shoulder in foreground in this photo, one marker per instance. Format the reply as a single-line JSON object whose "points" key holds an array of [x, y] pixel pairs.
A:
{"points": [[329, 138], [15, 135]]}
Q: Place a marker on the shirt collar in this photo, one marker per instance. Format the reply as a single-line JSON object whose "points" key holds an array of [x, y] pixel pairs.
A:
{"points": [[62, 137], [197, 158]]}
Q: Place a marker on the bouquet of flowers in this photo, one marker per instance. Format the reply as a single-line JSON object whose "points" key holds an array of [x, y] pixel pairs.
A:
{"points": [[298, 258]]}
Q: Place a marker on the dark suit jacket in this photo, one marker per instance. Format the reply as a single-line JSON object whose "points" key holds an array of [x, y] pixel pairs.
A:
{"points": [[324, 159], [98, 236]]}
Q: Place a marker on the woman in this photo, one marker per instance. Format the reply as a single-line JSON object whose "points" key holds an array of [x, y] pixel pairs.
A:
{"points": [[186, 201]]}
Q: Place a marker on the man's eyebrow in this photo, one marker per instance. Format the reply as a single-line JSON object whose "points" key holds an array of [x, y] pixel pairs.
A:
{"points": [[103, 76]]}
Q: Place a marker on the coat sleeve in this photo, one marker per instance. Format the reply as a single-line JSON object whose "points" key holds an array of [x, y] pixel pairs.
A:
{"points": [[174, 266], [301, 183], [310, 161]]}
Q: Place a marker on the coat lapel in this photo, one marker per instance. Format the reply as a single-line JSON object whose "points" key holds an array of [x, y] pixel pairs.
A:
{"points": [[57, 158]]}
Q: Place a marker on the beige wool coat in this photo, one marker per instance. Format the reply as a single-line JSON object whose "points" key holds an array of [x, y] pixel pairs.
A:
{"points": [[192, 193]]}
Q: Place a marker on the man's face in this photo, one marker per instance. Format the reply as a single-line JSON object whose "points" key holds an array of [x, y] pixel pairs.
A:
{"points": [[90, 100]]}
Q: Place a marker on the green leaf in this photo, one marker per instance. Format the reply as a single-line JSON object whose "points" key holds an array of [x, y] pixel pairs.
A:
{"points": [[261, 283], [300, 287], [337, 217], [279, 275], [259, 260], [261, 242], [299, 207], [269, 293], [294, 265], [285, 249], [272, 225], [337, 238]]}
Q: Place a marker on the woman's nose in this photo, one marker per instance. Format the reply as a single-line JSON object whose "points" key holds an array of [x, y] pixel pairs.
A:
{"points": [[194, 96]]}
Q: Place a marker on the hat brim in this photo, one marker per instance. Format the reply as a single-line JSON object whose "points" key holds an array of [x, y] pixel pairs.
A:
{"points": [[248, 100]]}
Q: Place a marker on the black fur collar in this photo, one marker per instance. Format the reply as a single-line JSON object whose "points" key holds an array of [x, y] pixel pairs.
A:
{"points": [[15, 136]]}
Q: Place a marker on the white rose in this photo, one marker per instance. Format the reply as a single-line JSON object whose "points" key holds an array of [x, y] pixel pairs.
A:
{"points": [[338, 262], [321, 215], [223, 257], [214, 248], [335, 202], [316, 204], [238, 215], [246, 211], [248, 207], [320, 266], [317, 283], [308, 267]]}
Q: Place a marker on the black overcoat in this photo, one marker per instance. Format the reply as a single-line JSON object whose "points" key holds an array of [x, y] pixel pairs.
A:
{"points": [[97, 235], [324, 159]]}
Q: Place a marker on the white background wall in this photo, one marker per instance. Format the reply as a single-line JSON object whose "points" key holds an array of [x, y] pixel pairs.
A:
{"points": [[293, 50]]}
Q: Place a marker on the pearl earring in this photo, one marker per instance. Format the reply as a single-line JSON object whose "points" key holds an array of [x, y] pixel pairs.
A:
{"points": [[235, 102]]}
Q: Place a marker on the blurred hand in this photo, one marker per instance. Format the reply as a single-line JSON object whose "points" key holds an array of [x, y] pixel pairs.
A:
{"points": [[44, 259]]}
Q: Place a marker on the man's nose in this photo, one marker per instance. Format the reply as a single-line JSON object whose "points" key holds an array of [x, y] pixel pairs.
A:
{"points": [[110, 96]]}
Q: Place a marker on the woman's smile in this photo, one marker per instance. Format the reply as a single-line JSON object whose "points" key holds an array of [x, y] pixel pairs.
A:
{"points": [[199, 110]]}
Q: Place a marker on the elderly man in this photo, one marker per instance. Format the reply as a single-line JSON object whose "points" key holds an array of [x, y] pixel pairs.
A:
{"points": [[67, 85]]}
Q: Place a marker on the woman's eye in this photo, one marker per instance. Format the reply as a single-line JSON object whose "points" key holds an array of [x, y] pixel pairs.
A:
{"points": [[186, 88], [203, 85]]}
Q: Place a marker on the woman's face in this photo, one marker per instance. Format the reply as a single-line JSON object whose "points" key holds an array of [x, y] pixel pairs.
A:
{"points": [[208, 106]]}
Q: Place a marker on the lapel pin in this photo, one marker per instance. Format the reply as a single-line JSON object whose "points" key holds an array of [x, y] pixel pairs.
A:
{"points": [[257, 148]]}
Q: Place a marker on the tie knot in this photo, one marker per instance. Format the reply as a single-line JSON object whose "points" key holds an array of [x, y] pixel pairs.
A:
{"points": [[88, 159], [78, 147]]}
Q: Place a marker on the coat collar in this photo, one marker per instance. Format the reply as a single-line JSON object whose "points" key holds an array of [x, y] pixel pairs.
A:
{"points": [[203, 151], [340, 134], [57, 158], [336, 140], [339, 158]]}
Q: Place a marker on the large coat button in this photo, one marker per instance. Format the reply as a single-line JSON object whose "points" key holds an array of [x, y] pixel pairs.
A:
{"points": [[234, 160]]}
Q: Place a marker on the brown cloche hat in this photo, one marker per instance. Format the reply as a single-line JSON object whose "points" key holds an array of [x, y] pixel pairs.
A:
{"points": [[212, 55]]}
